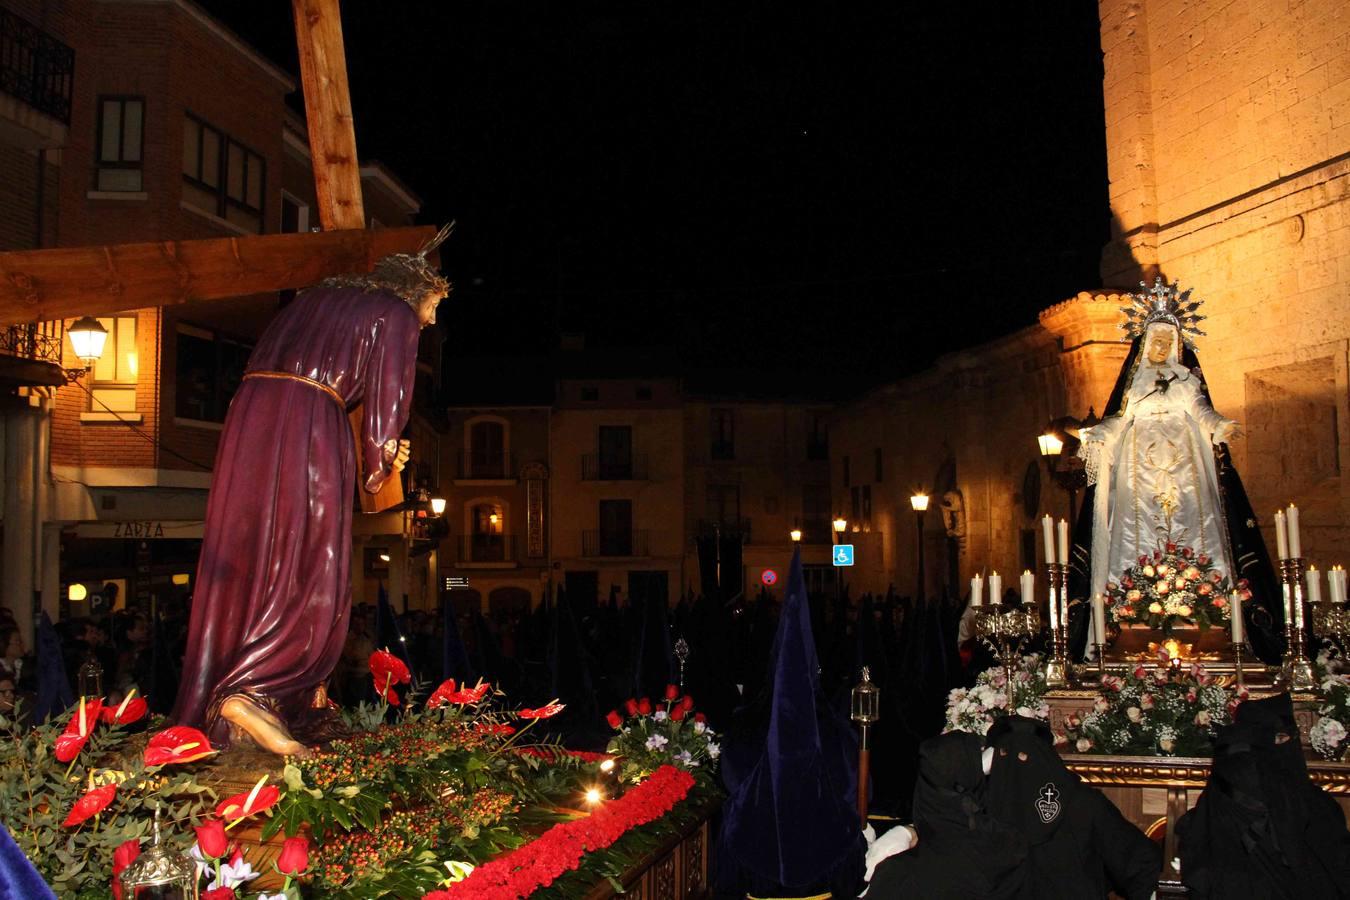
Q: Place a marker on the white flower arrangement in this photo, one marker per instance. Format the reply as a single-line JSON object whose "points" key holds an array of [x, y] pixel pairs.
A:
{"points": [[975, 709]]}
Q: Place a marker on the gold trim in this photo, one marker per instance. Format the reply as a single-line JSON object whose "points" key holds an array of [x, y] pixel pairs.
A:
{"points": [[291, 376], [1183, 771]]}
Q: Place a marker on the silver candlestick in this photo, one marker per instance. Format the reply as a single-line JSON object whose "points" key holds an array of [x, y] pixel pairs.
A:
{"points": [[1296, 671], [1057, 660], [1003, 628]]}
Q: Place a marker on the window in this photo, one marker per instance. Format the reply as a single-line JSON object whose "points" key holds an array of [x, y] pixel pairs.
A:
{"points": [[616, 452], [210, 369], [818, 440], [294, 214], [590, 395], [867, 503], [120, 129], [222, 177], [616, 527], [724, 504], [723, 434], [847, 479], [816, 513], [855, 507], [487, 543], [487, 451], [113, 382], [876, 462]]}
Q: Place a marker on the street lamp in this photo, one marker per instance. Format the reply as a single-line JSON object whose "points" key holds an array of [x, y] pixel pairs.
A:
{"points": [[838, 525], [1059, 450], [796, 535], [87, 339], [437, 506], [919, 503]]}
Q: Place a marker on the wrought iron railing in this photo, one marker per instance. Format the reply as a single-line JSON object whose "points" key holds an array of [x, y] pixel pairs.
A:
{"points": [[39, 341], [35, 67], [613, 543], [597, 467], [487, 548], [726, 528]]}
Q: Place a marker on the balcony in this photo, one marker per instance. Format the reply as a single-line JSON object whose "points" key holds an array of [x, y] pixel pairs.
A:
{"points": [[817, 450], [486, 467], [599, 544], [726, 528], [487, 550], [722, 450], [35, 67], [595, 467], [30, 355], [817, 532]]}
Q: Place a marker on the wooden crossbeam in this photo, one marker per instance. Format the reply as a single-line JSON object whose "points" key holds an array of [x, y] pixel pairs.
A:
{"points": [[96, 281]]}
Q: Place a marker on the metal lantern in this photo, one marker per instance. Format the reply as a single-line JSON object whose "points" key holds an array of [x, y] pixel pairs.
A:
{"points": [[160, 872], [89, 677], [866, 700]]}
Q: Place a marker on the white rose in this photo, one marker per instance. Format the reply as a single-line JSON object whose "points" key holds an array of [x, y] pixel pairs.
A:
{"points": [[1133, 714], [1083, 745]]}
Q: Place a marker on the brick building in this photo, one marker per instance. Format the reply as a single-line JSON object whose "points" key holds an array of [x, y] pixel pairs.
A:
{"points": [[171, 128], [1228, 143]]}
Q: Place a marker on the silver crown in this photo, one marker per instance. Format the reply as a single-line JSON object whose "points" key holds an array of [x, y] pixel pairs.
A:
{"points": [[1163, 303]]}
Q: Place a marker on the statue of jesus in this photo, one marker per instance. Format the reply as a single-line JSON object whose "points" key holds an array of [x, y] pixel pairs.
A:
{"points": [[273, 590]]}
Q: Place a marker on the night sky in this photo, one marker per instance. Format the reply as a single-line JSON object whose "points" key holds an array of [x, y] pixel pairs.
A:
{"points": [[833, 194]]}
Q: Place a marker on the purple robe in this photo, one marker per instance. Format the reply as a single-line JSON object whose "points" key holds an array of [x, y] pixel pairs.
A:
{"points": [[273, 592]]}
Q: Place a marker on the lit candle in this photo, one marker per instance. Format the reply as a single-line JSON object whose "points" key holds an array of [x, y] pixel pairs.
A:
{"points": [[1338, 586], [1048, 530], [1314, 585], [1281, 541], [1295, 544], [1099, 618], [977, 590], [995, 588], [1235, 609], [1063, 542], [1028, 586]]}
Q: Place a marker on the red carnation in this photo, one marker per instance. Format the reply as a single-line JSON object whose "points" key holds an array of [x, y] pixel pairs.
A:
{"points": [[211, 838], [241, 806], [544, 712], [614, 719], [220, 893], [123, 856], [672, 692], [630, 706], [91, 804], [130, 710], [644, 707], [179, 744], [294, 858]]}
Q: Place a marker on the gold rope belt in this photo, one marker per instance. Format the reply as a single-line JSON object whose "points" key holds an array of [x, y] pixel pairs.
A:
{"points": [[291, 376]]}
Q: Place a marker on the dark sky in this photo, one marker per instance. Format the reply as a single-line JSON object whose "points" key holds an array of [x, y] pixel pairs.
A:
{"points": [[836, 191]]}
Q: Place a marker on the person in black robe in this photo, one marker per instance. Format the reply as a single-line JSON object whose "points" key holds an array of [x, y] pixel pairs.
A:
{"points": [[962, 852], [1262, 829], [1079, 845]]}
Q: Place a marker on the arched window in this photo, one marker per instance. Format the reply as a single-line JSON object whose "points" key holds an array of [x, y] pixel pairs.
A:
{"points": [[488, 535]]}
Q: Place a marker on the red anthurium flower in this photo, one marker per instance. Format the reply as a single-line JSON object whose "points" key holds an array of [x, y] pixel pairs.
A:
{"points": [[211, 838], [91, 804], [179, 744], [123, 856], [240, 806], [294, 858], [630, 706], [678, 713], [672, 692], [388, 668], [387, 689], [494, 728], [130, 710], [645, 706], [614, 719], [474, 694], [70, 742], [441, 695], [687, 703], [543, 712]]}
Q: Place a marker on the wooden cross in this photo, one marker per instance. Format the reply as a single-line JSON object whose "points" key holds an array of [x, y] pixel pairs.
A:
{"points": [[100, 281]]}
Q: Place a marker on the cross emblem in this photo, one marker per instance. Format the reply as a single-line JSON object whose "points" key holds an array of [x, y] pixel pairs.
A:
{"points": [[1048, 804], [1049, 794]]}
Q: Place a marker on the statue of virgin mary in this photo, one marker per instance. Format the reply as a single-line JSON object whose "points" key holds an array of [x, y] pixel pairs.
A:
{"points": [[1159, 472]]}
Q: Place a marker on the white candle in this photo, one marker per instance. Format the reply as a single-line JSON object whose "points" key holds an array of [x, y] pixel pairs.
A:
{"points": [[1054, 609], [1338, 584], [1063, 542], [1099, 618], [1048, 531], [1028, 586], [1314, 585], [995, 588], [977, 590], [1235, 610], [1281, 541], [1295, 543]]}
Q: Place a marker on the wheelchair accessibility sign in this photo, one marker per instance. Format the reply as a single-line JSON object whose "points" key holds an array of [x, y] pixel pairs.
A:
{"points": [[843, 555]]}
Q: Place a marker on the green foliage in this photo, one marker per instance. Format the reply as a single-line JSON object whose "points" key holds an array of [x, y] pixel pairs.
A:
{"points": [[645, 743]]}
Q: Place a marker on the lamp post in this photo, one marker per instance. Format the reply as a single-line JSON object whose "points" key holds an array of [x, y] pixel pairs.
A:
{"points": [[919, 502], [1059, 451], [796, 535], [838, 526], [87, 338]]}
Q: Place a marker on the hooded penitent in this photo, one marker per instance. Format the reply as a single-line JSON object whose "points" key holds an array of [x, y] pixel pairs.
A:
{"points": [[1079, 843], [1262, 829], [1159, 471], [962, 852]]}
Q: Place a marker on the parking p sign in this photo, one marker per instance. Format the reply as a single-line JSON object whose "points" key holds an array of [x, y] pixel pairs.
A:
{"points": [[843, 554]]}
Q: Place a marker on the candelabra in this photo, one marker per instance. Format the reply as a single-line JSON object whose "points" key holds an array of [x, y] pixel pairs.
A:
{"points": [[1057, 661], [1295, 671], [1331, 620], [1003, 628], [682, 654]]}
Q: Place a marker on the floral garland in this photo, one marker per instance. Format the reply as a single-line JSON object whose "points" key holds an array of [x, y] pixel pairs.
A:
{"points": [[1174, 586], [976, 708], [1328, 734], [561, 848]]}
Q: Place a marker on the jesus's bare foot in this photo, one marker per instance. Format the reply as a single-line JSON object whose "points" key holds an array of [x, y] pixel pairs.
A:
{"points": [[266, 730]]}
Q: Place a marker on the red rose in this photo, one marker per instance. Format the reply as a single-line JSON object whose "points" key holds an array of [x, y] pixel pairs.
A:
{"points": [[672, 692], [123, 856], [700, 717], [241, 806], [388, 668], [211, 838], [614, 719], [1171, 547], [678, 713], [294, 858], [179, 744], [91, 804], [1143, 560], [1203, 559], [630, 706], [687, 703], [130, 710], [1187, 552], [645, 707]]}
